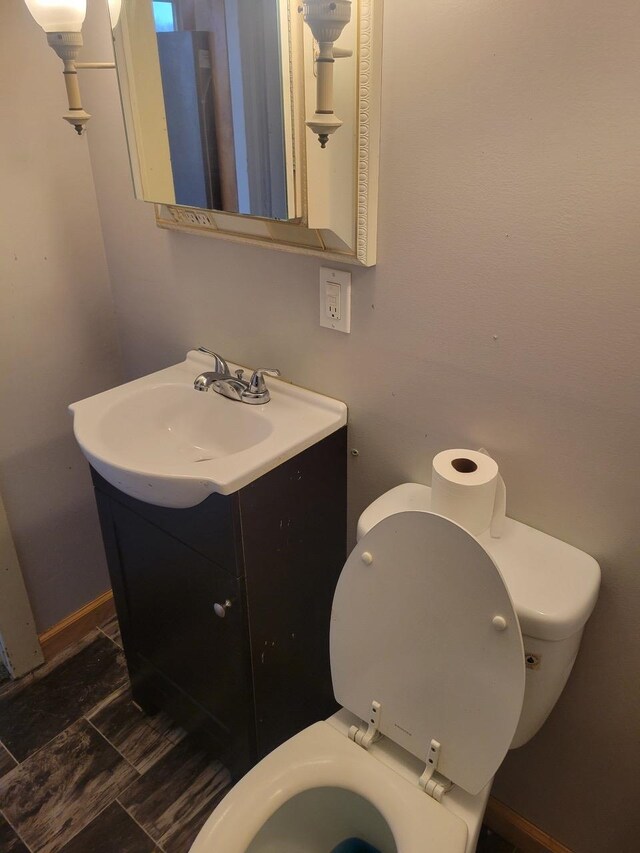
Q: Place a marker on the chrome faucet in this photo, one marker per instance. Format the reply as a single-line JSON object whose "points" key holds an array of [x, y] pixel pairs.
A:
{"points": [[254, 391]]}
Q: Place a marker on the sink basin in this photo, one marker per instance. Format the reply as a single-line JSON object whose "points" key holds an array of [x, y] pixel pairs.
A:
{"points": [[161, 441]]}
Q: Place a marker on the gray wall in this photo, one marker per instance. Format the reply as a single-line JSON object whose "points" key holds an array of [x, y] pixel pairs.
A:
{"points": [[57, 336], [503, 312]]}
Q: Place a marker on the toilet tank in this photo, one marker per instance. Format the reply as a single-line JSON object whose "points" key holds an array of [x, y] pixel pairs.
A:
{"points": [[553, 586]]}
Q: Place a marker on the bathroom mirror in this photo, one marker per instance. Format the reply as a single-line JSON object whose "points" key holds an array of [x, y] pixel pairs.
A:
{"points": [[209, 91], [216, 95]]}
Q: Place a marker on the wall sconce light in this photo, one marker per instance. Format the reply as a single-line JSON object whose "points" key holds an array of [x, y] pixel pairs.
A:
{"points": [[326, 19], [62, 22]]}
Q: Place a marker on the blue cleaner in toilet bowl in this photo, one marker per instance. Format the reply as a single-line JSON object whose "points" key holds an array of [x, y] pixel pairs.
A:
{"points": [[354, 845]]}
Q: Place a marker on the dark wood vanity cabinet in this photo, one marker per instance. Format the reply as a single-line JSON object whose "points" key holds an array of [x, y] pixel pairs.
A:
{"points": [[270, 555]]}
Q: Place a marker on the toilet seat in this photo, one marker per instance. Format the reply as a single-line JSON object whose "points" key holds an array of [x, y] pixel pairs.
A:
{"points": [[320, 756], [423, 626]]}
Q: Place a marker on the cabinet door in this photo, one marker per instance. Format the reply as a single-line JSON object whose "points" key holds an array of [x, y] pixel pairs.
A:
{"points": [[211, 528], [170, 592]]}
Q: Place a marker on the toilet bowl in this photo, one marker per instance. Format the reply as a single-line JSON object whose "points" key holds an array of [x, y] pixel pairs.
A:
{"points": [[429, 665], [320, 788]]}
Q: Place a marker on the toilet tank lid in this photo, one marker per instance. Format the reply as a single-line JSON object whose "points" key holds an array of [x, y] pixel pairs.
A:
{"points": [[553, 585]]}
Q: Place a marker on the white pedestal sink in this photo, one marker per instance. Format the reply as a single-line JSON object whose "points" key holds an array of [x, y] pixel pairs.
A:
{"points": [[161, 441]]}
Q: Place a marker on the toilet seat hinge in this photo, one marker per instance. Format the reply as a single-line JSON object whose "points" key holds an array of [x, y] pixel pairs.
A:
{"points": [[434, 787], [365, 739]]}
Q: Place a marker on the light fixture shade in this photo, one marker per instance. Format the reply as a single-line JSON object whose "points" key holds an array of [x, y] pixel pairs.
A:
{"points": [[58, 16], [114, 12], [327, 18]]}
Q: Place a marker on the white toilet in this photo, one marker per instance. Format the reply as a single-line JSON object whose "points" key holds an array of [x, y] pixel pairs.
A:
{"points": [[446, 651]]}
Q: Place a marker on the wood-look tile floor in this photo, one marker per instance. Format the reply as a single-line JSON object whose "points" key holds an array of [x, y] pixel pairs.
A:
{"points": [[82, 770]]}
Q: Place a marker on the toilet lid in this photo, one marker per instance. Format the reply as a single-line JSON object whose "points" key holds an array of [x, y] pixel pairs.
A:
{"points": [[423, 624]]}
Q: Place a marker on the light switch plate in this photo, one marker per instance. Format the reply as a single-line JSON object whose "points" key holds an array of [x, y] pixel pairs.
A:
{"points": [[335, 299]]}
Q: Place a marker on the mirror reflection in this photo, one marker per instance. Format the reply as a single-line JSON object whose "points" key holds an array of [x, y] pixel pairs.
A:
{"points": [[208, 107]]}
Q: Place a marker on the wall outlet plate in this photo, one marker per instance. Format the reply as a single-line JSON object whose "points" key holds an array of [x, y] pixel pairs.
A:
{"points": [[335, 299]]}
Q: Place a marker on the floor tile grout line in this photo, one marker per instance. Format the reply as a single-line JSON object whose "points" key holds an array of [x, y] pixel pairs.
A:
{"points": [[113, 802], [82, 828], [107, 636], [107, 700], [15, 831], [140, 773], [124, 791], [8, 751], [111, 640], [148, 834], [113, 746], [40, 748]]}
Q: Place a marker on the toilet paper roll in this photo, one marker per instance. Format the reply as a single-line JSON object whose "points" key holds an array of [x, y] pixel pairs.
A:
{"points": [[463, 488]]}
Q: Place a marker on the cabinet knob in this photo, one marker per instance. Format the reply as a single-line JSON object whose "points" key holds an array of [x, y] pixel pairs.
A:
{"points": [[221, 609]]}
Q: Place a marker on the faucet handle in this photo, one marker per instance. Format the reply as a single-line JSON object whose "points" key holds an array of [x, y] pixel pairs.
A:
{"points": [[219, 364], [256, 383]]}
